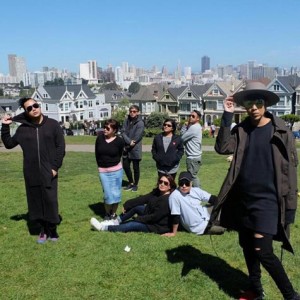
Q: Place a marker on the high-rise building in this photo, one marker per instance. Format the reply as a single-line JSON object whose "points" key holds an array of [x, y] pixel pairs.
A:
{"points": [[88, 71], [205, 63], [17, 66], [188, 73]]}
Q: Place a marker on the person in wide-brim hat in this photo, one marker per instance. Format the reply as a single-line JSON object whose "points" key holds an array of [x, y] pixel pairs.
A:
{"points": [[253, 89]]}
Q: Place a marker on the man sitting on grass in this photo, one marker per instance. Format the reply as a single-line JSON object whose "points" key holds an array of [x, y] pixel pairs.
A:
{"points": [[187, 207]]}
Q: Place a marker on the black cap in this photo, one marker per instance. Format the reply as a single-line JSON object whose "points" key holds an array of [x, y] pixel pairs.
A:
{"points": [[185, 175]]}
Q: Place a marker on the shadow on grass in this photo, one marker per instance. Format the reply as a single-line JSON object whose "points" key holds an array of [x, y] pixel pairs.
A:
{"points": [[34, 227], [229, 280], [98, 209]]}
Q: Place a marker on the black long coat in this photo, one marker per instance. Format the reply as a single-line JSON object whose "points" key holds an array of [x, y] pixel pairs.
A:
{"points": [[43, 148]]}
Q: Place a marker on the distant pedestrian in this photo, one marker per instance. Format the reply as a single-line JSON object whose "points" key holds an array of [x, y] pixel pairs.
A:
{"points": [[192, 140], [43, 145], [212, 130], [167, 149], [108, 152], [132, 133]]}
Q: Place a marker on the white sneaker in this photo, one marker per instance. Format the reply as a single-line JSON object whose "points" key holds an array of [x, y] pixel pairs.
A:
{"points": [[107, 223], [96, 224]]}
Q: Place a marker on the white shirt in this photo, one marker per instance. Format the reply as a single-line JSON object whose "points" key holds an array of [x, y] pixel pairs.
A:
{"points": [[194, 216]]}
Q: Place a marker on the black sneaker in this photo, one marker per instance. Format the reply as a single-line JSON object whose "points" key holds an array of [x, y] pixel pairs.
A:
{"points": [[128, 187], [134, 188]]}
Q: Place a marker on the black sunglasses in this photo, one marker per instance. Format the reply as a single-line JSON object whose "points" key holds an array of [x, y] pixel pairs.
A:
{"points": [[107, 128], [166, 183], [30, 107], [167, 125], [184, 182]]}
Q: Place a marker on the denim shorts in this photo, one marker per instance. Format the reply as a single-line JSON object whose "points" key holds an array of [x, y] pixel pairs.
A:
{"points": [[112, 186]]}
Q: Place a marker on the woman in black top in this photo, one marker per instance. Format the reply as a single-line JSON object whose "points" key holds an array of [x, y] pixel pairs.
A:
{"points": [[108, 151], [167, 149]]}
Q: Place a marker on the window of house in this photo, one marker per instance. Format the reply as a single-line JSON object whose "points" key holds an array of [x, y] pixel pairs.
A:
{"points": [[215, 92], [276, 87], [167, 96], [46, 106], [66, 106], [81, 116], [80, 104], [91, 115], [189, 94], [90, 103]]}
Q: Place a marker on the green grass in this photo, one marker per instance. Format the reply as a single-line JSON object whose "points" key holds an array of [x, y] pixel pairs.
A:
{"points": [[85, 264]]}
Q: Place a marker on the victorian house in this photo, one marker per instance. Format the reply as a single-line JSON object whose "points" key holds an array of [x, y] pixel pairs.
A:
{"points": [[71, 103]]}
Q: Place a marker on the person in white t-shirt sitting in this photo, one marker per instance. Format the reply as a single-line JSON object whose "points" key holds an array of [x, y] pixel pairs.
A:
{"points": [[190, 206]]}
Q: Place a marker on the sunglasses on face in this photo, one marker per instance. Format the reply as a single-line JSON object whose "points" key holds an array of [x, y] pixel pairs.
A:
{"points": [[133, 111], [193, 116], [30, 107], [107, 128], [259, 103], [167, 125], [184, 182], [162, 182]]}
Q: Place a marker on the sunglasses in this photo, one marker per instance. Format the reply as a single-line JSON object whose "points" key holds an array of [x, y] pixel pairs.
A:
{"points": [[133, 111], [165, 183], [259, 103], [30, 107], [107, 128], [193, 116], [184, 182], [167, 125]]}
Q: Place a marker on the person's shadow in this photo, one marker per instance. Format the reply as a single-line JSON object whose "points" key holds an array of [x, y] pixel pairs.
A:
{"points": [[229, 279], [98, 209], [34, 228]]}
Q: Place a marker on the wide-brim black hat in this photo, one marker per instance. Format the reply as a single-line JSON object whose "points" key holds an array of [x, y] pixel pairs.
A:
{"points": [[255, 88]]}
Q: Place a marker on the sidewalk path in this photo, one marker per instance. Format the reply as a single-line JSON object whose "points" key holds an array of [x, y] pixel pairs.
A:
{"points": [[91, 148]]}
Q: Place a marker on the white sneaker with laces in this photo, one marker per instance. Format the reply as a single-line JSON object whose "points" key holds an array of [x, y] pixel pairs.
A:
{"points": [[96, 224]]}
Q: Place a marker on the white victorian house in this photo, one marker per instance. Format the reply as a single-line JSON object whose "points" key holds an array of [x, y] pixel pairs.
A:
{"points": [[71, 103]]}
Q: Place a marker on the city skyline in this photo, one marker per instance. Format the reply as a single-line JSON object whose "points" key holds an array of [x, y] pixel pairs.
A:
{"points": [[64, 34]]}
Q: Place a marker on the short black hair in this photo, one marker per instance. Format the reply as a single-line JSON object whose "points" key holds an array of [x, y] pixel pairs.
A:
{"points": [[134, 107], [198, 113], [23, 100]]}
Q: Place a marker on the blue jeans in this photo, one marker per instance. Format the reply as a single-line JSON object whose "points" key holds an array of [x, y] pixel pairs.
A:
{"points": [[139, 210], [129, 227]]}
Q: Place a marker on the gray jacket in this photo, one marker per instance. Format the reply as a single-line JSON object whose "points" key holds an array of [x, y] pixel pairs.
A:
{"points": [[133, 130]]}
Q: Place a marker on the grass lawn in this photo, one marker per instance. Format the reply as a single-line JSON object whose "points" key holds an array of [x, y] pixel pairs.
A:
{"points": [[85, 264]]}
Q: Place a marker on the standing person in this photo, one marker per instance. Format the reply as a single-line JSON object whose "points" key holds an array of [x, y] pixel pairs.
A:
{"points": [[188, 206], [192, 140], [259, 195], [213, 129], [154, 218], [43, 145], [108, 152], [167, 149], [132, 133]]}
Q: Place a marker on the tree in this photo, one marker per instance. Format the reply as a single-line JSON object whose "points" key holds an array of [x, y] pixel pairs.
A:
{"points": [[121, 112], [134, 87], [1, 92], [290, 119], [156, 119]]}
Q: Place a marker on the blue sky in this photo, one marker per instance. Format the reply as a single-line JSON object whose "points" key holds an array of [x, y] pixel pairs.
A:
{"points": [[63, 33]]}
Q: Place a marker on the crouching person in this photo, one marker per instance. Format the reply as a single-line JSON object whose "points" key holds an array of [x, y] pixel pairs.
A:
{"points": [[189, 206]]}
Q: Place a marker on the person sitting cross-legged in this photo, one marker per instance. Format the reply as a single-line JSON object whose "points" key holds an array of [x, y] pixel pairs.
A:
{"points": [[152, 210], [190, 206]]}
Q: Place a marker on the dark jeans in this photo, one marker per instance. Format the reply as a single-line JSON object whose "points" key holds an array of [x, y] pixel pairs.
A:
{"points": [[136, 169], [260, 251], [129, 226], [139, 210]]}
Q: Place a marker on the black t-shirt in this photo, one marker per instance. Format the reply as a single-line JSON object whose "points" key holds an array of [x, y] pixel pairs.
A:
{"points": [[256, 182], [108, 154]]}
